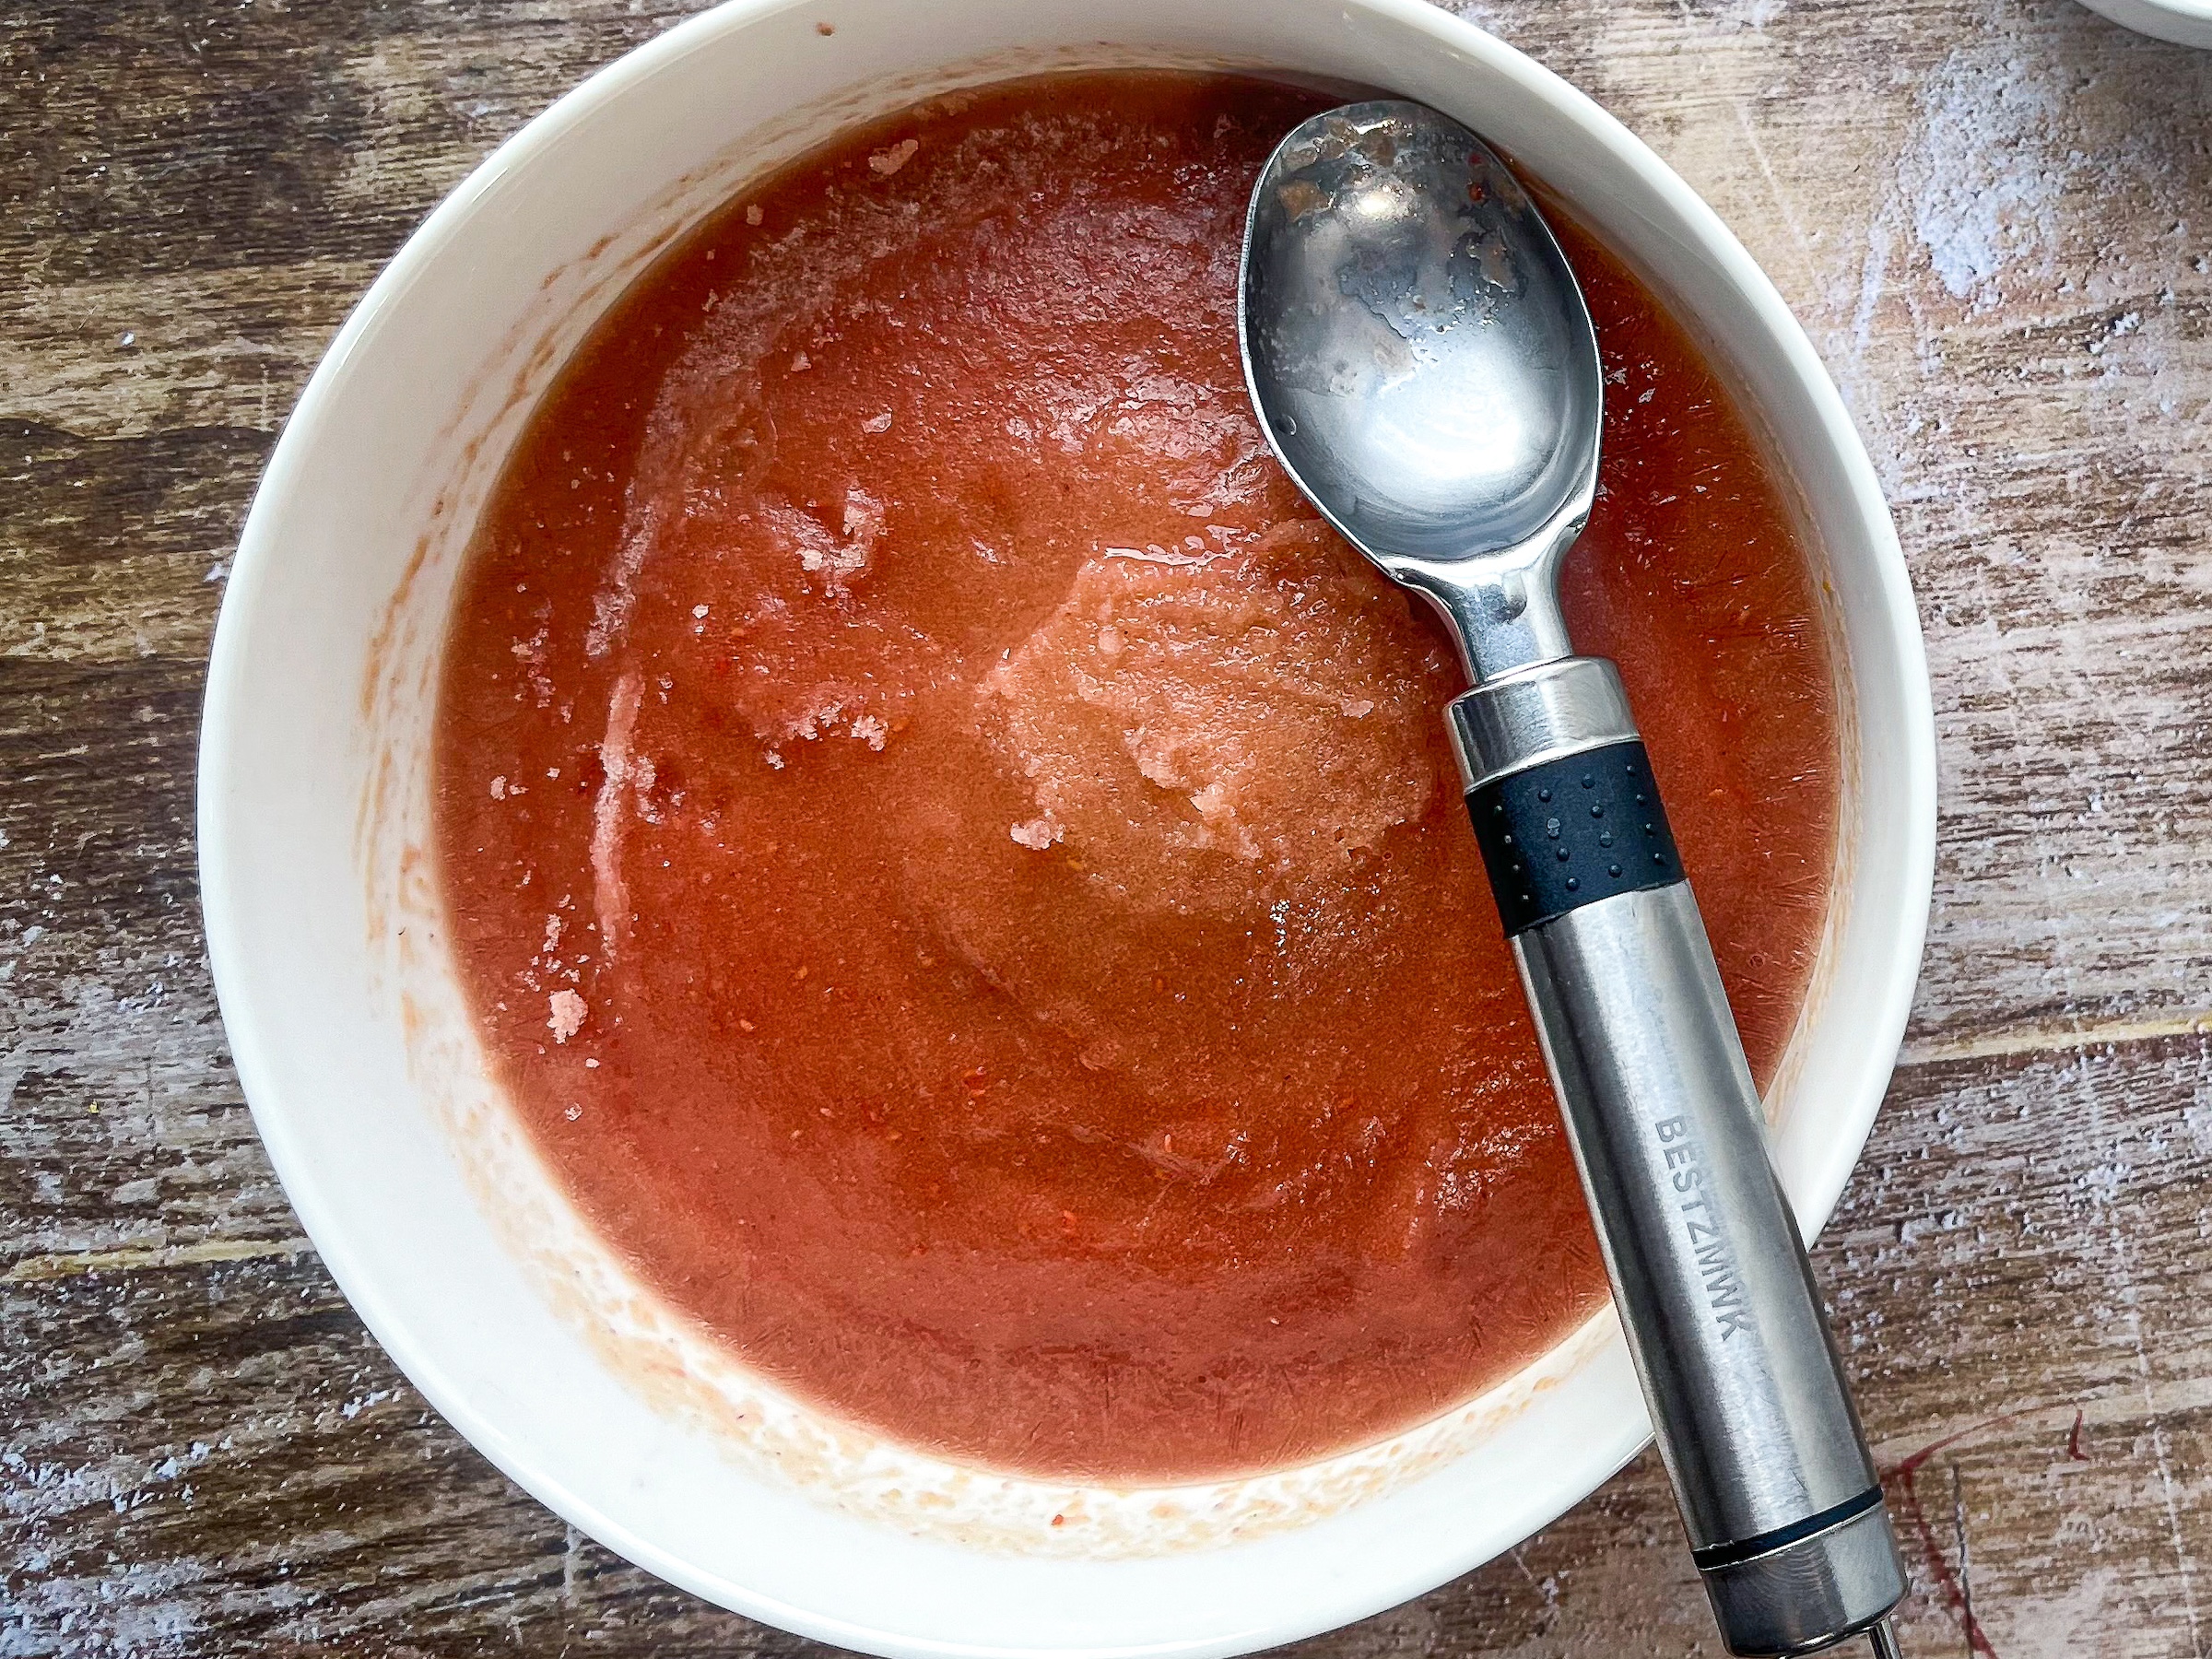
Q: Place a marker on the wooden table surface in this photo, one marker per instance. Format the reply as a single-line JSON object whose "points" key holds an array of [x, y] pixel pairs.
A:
{"points": [[1995, 219]]}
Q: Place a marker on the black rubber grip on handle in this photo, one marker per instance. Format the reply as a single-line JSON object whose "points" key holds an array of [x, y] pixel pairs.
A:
{"points": [[1568, 832]]}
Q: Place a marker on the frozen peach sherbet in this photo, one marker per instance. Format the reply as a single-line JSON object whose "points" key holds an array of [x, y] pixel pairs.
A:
{"points": [[962, 877], [1179, 718]]}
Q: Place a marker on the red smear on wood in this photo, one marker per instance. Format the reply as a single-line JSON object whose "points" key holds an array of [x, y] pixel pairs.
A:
{"points": [[1939, 1566], [2074, 1451]]}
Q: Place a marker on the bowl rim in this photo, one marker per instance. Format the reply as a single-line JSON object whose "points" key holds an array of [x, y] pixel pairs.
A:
{"points": [[2179, 22], [1815, 1192]]}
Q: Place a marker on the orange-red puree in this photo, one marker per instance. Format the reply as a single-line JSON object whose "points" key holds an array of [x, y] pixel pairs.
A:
{"points": [[961, 874]]}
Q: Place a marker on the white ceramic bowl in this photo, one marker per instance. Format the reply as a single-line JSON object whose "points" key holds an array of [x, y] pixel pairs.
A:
{"points": [[347, 1028], [2185, 22]]}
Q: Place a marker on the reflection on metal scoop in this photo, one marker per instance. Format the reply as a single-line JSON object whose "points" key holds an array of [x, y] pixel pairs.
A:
{"points": [[1420, 357]]}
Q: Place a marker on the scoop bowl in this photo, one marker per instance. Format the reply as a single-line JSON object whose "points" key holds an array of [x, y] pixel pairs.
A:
{"points": [[1425, 366]]}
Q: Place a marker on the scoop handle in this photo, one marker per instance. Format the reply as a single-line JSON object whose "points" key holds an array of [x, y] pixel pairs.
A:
{"points": [[1747, 1392]]}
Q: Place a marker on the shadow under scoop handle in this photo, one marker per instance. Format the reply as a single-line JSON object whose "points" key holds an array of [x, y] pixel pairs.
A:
{"points": [[1746, 1393]]}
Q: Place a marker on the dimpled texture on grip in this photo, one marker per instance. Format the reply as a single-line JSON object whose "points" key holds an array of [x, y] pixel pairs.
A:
{"points": [[1569, 832]]}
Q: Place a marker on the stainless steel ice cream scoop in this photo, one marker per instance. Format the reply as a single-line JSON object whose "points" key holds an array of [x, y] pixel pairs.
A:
{"points": [[1422, 361]]}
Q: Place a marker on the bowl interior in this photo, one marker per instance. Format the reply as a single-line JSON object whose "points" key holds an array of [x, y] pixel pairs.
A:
{"points": [[352, 1041]]}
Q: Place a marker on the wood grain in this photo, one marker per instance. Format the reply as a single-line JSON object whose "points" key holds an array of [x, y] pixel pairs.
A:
{"points": [[1995, 219]]}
